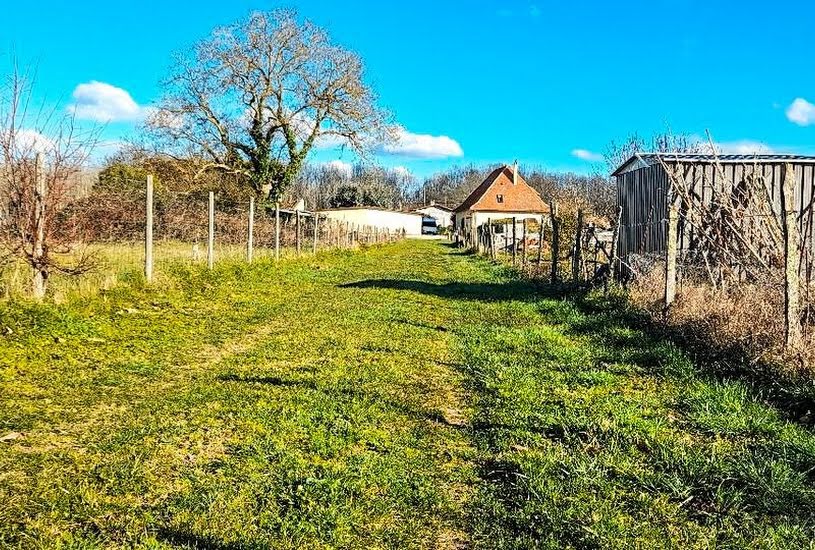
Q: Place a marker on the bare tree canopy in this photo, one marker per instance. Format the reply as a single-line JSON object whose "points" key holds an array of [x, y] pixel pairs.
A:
{"points": [[255, 97], [41, 154], [617, 152]]}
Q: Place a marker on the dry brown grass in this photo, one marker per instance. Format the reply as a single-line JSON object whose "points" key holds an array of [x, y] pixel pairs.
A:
{"points": [[743, 318]]}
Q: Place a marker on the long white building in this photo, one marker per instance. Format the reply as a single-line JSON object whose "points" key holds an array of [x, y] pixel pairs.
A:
{"points": [[380, 218]]}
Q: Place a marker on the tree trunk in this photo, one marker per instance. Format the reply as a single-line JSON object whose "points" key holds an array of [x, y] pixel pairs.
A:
{"points": [[38, 257]]}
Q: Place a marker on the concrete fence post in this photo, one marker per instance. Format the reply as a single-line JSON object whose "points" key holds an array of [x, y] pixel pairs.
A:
{"points": [[211, 231], [148, 232], [250, 231]]}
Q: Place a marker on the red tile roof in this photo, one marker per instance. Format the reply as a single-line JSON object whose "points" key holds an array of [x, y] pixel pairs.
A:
{"points": [[518, 197]]}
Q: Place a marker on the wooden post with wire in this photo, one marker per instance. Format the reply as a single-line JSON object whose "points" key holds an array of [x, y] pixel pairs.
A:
{"points": [[523, 243], [148, 232], [670, 256], [613, 271], [211, 232], [577, 251], [250, 230], [540, 242], [514, 240]]}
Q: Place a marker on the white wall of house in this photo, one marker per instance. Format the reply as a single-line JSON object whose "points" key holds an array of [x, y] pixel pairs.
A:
{"points": [[444, 218], [382, 219]]}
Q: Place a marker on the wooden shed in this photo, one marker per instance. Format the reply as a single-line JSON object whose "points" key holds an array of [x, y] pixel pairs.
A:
{"points": [[646, 190]]}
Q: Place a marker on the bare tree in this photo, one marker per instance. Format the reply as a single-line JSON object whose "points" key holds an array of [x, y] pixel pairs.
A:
{"points": [[41, 154], [617, 152], [255, 97]]}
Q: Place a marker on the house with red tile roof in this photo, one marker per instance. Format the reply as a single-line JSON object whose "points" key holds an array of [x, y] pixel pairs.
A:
{"points": [[503, 195]]}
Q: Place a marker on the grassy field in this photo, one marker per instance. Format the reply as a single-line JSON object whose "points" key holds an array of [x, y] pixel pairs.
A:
{"points": [[402, 396]]}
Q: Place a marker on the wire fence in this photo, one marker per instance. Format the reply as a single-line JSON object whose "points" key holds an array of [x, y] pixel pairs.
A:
{"points": [[113, 232]]}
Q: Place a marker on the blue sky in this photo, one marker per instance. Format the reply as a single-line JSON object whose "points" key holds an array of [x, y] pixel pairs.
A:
{"points": [[545, 82]]}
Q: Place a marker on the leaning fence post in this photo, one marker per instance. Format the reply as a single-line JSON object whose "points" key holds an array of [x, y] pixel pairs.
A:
{"points": [[148, 232], [792, 318], [615, 238], [670, 256], [250, 230], [211, 232], [577, 256], [555, 240]]}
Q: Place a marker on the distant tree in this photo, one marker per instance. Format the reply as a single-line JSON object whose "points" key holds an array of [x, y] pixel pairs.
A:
{"points": [[345, 196], [617, 152], [255, 97], [41, 156]]}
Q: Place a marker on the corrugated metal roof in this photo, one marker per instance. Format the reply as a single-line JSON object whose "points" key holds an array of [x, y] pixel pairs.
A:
{"points": [[652, 158]]}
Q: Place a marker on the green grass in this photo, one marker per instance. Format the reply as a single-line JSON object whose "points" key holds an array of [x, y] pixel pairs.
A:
{"points": [[402, 396]]}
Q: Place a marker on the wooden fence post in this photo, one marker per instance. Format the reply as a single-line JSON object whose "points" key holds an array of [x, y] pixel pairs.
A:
{"points": [[316, 232], [491, 240], [523, 244], [615, 238], [670, 256], [250, 230], [297, 231], [555, 240], [792, 244], [148, 232], [540, 241], [211, 232], [577, 251], [514, 240]]}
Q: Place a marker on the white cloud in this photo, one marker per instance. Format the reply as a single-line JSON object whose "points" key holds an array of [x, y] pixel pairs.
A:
{"points": [[424, 146], [28, 140], [801, 112], [744, 147], [104, 102], [341, 167], [585, 154]]}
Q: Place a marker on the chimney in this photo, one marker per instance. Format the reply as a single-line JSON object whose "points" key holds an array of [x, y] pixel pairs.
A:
{"points": [[515, 173]]}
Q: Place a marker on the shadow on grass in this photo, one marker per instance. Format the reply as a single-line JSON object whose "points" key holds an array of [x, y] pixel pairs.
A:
{"points": [[186, 539], [405, 409], [610, 320], [485, 292]]}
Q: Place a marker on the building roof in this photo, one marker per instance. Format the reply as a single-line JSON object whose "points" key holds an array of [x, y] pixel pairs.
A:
{"points": [[517, 197], [377, 208], [439, 206], [649, 159]]}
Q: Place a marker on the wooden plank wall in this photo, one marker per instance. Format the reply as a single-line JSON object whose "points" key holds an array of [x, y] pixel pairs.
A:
{"points": [[642, 194]]}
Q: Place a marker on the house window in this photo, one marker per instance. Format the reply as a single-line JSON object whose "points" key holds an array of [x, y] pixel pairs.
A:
{"points": [[499, 198]]}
